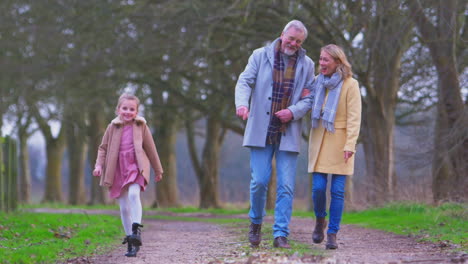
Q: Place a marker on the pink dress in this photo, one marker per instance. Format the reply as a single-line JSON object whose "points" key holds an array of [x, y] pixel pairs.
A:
{"points": [[127, 171]]}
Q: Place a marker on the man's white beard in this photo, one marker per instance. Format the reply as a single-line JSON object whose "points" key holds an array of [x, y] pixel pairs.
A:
{"points": [[289, 51]]}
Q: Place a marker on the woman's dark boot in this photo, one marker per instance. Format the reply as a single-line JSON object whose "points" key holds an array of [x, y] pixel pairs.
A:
{"points": [[131, 252], [318, 234], [135, 238], [331, 242]]}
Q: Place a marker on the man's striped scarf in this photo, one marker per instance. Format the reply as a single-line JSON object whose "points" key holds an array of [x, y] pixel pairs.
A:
{"points": [[283, 84]]}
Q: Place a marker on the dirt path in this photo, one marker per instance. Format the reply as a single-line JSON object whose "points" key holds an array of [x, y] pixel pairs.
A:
{"points": [[361, 245], [173, 242]]}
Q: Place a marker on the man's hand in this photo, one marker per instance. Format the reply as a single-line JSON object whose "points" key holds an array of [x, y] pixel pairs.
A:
{"points": [[284, 115], [242, 112], [347, 155]]}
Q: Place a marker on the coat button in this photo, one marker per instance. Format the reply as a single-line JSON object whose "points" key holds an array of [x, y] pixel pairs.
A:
{"points": [[268, 113], [269, 98]]}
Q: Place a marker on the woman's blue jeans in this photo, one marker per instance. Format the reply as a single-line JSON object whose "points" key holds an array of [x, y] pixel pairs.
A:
{"points": [[319, 197], [260, 166]]}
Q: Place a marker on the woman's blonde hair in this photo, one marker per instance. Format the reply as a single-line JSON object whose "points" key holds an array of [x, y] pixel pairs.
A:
{"points": [[337, 53], [126, 96]]}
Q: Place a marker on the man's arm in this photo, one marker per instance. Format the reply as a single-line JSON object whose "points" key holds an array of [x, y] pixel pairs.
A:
{"points": [[244, 85]]}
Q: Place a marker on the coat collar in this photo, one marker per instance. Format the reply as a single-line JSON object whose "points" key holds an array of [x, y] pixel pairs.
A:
{"points": [[138, 120]]}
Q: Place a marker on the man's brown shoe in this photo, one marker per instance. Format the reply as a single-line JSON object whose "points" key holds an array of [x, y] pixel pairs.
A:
{"points": [[255, 234], [281, 242]]}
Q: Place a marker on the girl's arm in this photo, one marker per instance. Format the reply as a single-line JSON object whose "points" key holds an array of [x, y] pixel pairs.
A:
{"points": [[102, 152]]}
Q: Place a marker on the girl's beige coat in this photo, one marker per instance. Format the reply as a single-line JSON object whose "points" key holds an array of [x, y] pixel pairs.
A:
{"points": [[326, 149], [145, 150]]}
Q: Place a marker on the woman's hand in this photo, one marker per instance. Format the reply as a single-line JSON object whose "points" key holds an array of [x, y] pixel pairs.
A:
{"points": [[305, 92], [97, 171], [347, 155]]}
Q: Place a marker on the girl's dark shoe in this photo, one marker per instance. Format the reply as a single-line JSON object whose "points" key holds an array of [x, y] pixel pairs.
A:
{"points": [[135, 238], [134, 251], [331, 242], [318, 234], [131, 252]]}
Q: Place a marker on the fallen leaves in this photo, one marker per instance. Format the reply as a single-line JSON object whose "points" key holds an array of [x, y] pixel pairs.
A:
{"points": [[61, 232], [270, 258]]}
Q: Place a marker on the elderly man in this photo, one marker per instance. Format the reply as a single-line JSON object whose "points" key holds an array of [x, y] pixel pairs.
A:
{"points": [[268, 95]]}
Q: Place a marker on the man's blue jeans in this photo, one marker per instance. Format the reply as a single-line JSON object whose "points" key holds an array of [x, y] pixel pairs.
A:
{"points": [[260, 166], [319, 197]]}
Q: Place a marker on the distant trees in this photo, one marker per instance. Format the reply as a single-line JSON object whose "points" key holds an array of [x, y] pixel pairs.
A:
{"points": [[64, 63], [445, 34], [385, 41]]}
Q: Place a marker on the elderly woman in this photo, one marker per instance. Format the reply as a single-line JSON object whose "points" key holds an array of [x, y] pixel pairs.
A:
{"points": [[336, 120]]}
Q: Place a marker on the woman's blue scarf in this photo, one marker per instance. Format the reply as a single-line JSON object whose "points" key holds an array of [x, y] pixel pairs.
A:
{"points": [[328, 112]]}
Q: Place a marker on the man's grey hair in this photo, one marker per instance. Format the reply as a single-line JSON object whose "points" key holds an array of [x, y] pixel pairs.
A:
{"points": [[296, 24]]}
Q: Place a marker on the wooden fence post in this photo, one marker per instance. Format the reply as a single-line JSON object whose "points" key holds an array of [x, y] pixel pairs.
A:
{"points": [[8, 174], [2, 176]]}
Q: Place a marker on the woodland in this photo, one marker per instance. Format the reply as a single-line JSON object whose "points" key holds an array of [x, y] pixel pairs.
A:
{"points": [[63, 64]]}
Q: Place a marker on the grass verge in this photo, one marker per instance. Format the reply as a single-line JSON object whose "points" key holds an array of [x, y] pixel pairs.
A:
{"points": [[68, 206], [447, 223], [48, 238]]}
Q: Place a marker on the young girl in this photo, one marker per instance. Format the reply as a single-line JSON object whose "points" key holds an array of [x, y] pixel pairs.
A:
{"points": [[124, 158]]}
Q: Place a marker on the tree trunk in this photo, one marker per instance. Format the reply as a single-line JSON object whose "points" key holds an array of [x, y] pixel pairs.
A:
{"points": [[2, 176], [165, 134], [310, 201], [24, 171], [8, 175], [76, 155], [378, 146], [207, 169], [209, 195], [55, 148], [96, 132], [380, 100], [166, 190], [349, 194], [450, 154], [54, 151], [450, 160]]}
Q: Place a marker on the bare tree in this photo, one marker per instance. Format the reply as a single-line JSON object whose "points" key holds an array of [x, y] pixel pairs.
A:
{"points": [[440, 29], [23, 122], [96, 128], [76, 143], [206, 167]]}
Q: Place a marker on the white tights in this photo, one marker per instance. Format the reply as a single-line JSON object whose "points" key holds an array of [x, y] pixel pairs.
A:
{"points": [[130, 207]]}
